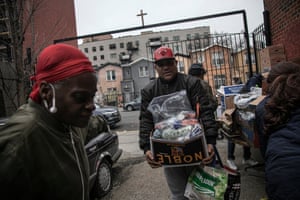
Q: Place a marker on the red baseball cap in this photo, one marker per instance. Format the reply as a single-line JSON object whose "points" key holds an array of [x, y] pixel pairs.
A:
{"points": [[163, 53]]}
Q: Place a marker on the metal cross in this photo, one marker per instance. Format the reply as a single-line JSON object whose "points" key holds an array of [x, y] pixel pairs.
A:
{"points": [[142, 16]]}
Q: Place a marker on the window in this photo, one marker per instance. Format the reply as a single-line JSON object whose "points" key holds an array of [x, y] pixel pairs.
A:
{"points": [[121, 45], [94, 49], [111, 75], [176, 38], [188, 36], [111, 90], [86, 50], [166, 39], [129, 45], [94, 57], [197, 44], [197, 36], [143, 71], [180, 66], [217, 58], [201, 58], [102, 57], [112, 46], [219, 80], [101, 48], [113, 55], [137, 43], [246, 61]]}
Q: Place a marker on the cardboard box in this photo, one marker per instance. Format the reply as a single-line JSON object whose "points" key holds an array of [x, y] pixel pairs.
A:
{"points": [[270, 56], [227, 116], [273, 49], [227, 94], [254, 103], [177, 153]]}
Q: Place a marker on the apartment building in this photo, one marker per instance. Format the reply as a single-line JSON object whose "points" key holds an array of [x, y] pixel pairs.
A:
{"points": [[126, 49]]}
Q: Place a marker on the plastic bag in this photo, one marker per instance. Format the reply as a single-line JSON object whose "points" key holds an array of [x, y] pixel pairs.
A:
{"points": [[242, 100], [214, 183], [174, 118], [171, 105], [206, 183]]}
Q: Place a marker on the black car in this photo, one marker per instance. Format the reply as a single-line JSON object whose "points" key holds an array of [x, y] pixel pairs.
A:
{"points": [[110, 113], [102, 148], [133, 105]]}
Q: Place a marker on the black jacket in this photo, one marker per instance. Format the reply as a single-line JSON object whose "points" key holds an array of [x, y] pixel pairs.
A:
{"points": [[41, 159], [194, 89], [283, 160]]}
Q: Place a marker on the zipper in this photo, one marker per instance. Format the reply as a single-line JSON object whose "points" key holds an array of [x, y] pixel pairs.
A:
{"points": [[78, 164]]}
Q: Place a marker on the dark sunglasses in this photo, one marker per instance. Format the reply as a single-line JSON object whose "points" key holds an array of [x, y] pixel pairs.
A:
{"points": [[165, 63]]}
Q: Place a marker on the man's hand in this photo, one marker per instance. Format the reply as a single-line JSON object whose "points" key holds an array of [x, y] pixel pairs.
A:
{"points": [[151, 161], [211, 154]]}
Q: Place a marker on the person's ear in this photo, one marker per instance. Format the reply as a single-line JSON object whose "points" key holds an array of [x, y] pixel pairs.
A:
{"points": [[45, 91]]}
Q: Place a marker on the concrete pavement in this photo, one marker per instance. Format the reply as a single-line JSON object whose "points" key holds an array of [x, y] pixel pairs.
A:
{"points": [[135, 180]]}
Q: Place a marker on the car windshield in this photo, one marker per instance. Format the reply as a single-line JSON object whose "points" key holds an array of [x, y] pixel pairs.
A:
{"points": [[137, 100]]}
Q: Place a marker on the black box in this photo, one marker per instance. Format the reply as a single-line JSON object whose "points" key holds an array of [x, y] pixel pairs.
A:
{"points": [[179, 153]]}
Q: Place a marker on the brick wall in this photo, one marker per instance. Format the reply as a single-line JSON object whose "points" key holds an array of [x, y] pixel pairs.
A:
{"points": [[54, 19], [285, 25]]}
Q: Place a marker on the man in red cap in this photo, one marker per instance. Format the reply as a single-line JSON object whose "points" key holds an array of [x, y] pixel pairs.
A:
{"points": [[170, 81], [42, 154]]}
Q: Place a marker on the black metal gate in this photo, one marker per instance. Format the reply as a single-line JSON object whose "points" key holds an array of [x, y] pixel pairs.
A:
{"points": [[225, 57]]}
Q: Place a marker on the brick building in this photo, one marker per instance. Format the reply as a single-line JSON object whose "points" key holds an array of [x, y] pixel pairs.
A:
{"points": [[51, 20], [284, 21], [37, 25]]}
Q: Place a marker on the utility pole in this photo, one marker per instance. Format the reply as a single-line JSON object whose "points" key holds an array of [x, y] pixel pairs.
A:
{"points": [[142, 16]]}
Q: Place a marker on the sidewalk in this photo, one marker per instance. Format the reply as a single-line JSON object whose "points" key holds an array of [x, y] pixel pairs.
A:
{"points": [[135, 180]]}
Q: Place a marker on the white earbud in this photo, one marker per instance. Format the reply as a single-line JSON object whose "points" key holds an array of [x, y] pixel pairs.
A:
{"points": [[53, 108], [45, 103]]}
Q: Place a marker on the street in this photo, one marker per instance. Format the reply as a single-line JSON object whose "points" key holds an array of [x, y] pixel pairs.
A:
{"points": [[129, 122], [135, 180]]}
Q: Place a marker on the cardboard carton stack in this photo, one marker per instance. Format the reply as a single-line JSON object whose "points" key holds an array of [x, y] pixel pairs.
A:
{"points": [[226, 95], [271, 55]]}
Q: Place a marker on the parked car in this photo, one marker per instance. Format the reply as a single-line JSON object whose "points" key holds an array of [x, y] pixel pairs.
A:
{"points": [[110, 113], [102, 148], [133, 105]]}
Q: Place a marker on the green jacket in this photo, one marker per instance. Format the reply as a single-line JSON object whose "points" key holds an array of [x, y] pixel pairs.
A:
{"points": [[38, 160]]}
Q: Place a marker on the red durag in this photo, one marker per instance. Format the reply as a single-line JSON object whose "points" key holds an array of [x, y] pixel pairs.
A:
{"points": [[58, 62]]}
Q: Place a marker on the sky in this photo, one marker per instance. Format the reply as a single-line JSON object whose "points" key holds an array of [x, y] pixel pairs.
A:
{"points": [[97, 16]]}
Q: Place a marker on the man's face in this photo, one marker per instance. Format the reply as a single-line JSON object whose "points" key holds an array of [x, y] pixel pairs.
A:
{"points": [[75, 99], [166, 69]]}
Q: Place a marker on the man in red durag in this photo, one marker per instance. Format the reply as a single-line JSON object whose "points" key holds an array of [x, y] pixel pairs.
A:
{"points": [[41, 146]]}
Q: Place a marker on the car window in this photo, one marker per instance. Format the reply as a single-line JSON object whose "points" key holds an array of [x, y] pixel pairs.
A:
{"points": [[96, 126]]}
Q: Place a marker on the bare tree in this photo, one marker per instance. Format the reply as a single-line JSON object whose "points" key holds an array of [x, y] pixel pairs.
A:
{"points": [[20, 20]]}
